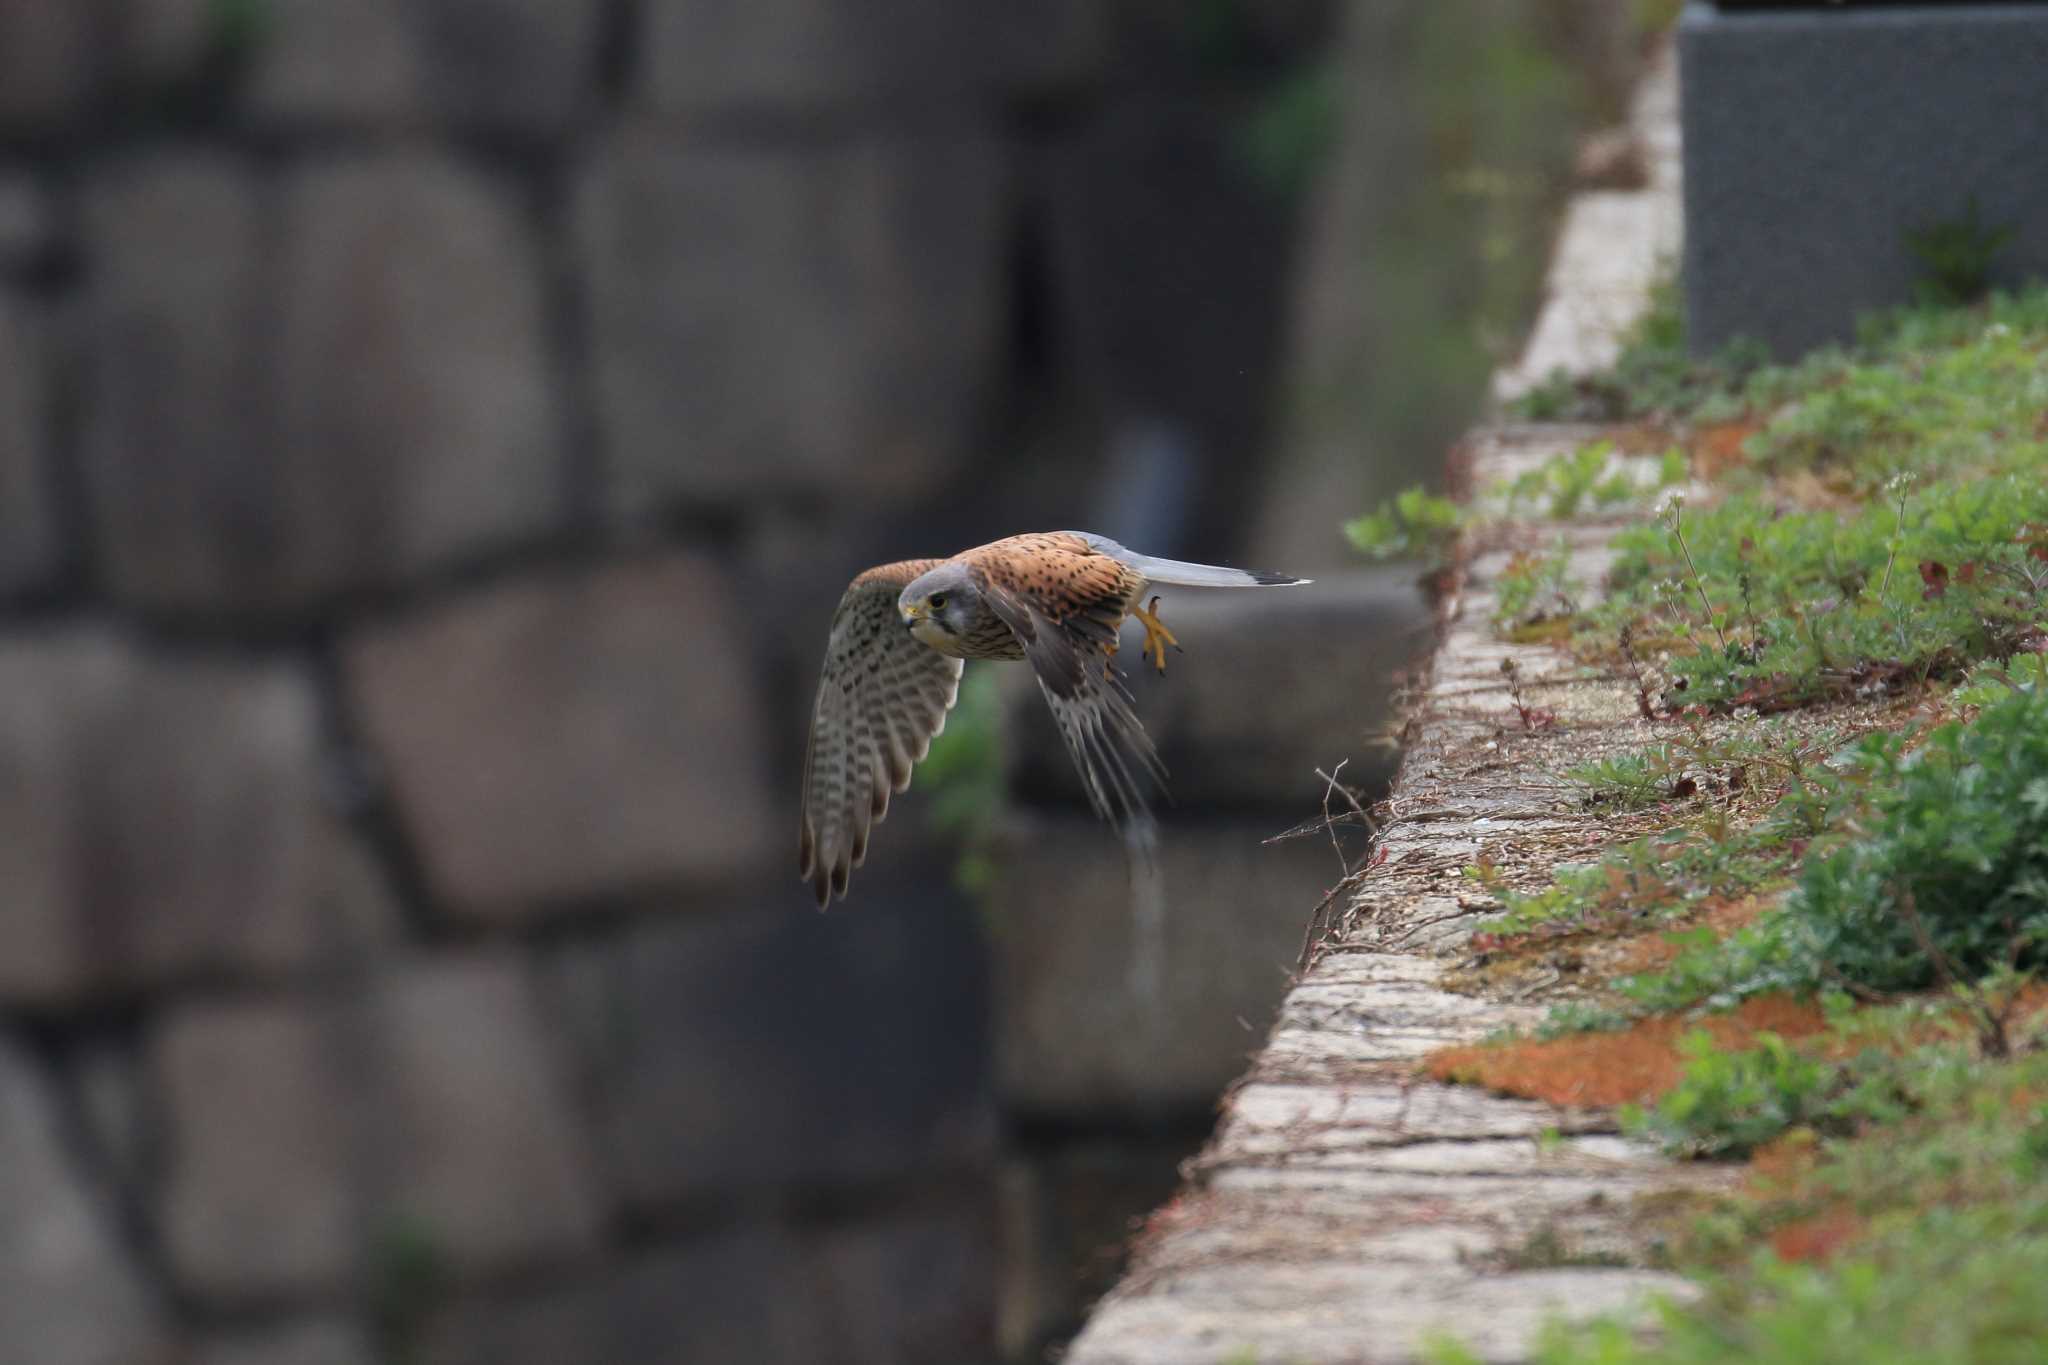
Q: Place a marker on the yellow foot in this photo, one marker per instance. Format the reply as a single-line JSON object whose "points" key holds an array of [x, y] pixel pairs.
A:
{"points": [[1157, 636]]}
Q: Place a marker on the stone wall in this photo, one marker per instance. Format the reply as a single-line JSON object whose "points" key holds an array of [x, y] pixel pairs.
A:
{"points": [[433, 436], [1812, 190]]}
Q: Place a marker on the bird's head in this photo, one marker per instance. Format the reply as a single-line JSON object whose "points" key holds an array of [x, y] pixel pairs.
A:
{"points": [[938, 605]]}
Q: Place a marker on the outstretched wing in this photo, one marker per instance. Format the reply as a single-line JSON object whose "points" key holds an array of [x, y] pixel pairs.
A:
{"points": [[881, 699], [1071, 656]]}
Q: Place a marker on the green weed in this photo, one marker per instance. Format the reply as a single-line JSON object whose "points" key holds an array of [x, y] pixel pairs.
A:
{"points": [[1770, 606], [964, 774], [1913, 544], [1731, 1103], [1566, 482], [1955, 256], [1628, 781], [1654, 376], [1706, 856], [1415, 524], [1535, 588], [1934, 873], [1945, 873], [1548, 1248]]}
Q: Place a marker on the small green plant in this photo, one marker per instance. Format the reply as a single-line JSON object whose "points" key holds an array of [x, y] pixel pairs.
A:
{"points": [[1949, 877], [1648, 777], [964, 773], [1769, 606], [1535, 588], [1935, 874], [1650, 880], [1956, 255], [1996, 679], [1730, 1103], [1654, 377], [1657, 379], [408, 1279], [1706, 855], [1414, 524], [1548, 1248], [1564, 483], [1289, 135]]}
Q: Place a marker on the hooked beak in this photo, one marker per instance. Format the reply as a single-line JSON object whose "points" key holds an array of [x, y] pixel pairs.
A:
{"points": [[914, 612]]}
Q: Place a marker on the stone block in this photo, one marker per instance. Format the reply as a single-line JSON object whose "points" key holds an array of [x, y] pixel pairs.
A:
{"points": [[104, 1080], [1067, 1213], [29, 540], [399, 419], [71, 1295], [301, 1133], [258, 1199], [315, 1342], [355, 909], [801, 318], [491, 1162], [915, 1287], [28, 221], [737, 1296], [1118, 1003], [556, 740], [870, 1062], [1805, 169], [1168, 264], [418, 423], [161, 820], [909, 1288], [699, 55], [174, 459], [49, 65], [1274, 684], [522, 66], [810, 558]]}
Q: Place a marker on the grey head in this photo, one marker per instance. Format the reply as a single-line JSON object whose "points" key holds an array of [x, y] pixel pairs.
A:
{"points": [[943, 609]]}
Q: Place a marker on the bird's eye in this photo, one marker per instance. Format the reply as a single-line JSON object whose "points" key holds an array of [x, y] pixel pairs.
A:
{"points": [[938, 599]]}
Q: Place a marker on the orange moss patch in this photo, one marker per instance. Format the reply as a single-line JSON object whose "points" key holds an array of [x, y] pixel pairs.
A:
{"points": [[1817, 1238], [1642, 1062], [1778, 1164], [1642, 438], [1717, 447], [1631, 1066]]}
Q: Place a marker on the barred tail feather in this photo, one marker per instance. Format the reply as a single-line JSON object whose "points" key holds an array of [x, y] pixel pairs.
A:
{"points": [[1183, 573]]}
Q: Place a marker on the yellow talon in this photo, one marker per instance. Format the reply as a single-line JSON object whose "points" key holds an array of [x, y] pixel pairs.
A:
{"points": [[1157, 636]]}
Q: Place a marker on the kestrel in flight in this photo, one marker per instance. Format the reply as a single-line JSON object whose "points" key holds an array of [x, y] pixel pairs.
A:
{"points": [[892, 669]]}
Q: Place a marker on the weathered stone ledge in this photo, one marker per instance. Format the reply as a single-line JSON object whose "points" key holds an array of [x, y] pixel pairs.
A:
{"points": [[1349, 1208]]}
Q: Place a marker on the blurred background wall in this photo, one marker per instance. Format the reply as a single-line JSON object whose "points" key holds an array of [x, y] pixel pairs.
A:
{"points": [[433, 436]]}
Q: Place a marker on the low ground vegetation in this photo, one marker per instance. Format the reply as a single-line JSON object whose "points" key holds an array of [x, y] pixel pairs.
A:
{"points": [[1825, 962]]}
